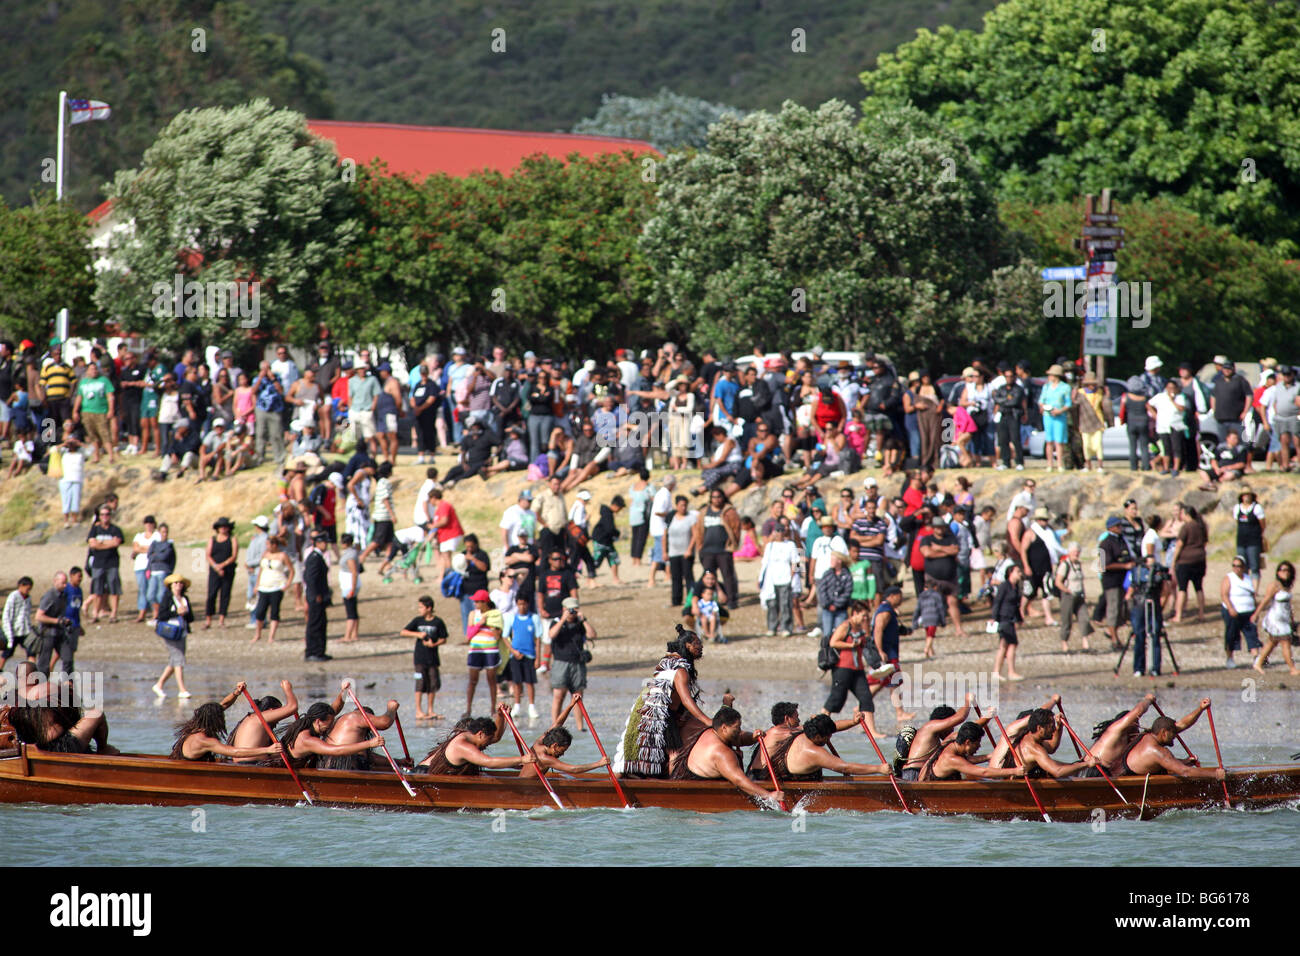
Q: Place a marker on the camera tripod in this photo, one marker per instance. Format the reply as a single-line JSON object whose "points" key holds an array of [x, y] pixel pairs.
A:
{"points": [[1149, 615]]}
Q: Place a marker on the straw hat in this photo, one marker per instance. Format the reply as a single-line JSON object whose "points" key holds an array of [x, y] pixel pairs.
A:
{"points": [[174, 577], [1055, 370]]}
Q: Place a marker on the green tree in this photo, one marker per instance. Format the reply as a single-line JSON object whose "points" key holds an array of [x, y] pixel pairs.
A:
{"points": [[1197, 100], [544, 256], [1204, 281], [800, 228], [228, 195], [45, 266], [666, 120]]}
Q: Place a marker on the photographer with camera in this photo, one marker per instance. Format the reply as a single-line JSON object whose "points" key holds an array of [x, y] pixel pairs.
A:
{"points": [[568, 636], [1144, 585], [54, 628]]}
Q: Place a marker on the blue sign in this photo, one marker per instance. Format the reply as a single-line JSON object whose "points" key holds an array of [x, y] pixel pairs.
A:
{"points": [[1061, 273]]}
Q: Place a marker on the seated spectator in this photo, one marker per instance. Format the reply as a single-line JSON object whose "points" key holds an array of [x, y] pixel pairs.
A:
{"points": [[475, 453], [181, 453], [1231, 460]]}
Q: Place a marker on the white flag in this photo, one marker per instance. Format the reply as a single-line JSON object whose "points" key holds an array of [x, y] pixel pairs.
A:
{"points": [[83, 111]]}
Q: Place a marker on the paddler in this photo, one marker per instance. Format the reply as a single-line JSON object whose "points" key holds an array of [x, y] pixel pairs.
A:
{"points": [[712, 756], [929, 739], [955, 758], [462, 752], [803, 756], [306, 741], [249, 732], [666, 716], [1114, 738], [1033, 747], [202, 736], [1151, 754], [352, 728], [552, 745]]}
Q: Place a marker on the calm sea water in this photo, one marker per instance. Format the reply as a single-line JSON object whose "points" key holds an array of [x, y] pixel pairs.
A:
{"points": [[1263, 731]]}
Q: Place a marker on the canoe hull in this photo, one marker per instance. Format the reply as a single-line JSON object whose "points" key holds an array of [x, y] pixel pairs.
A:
{"points": [[35, 776]]}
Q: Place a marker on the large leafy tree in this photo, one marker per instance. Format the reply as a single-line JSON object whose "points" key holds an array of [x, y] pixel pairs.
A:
{"points": [[1211, 291], [666, 120], [45, 266], [1193, 99], [228, 195], [800, 228], [545, 256]]}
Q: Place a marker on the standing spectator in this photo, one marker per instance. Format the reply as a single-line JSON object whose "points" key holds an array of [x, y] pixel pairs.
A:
{"points": [[382, 514], [1171, 429], [445, 528], [681, 548], [483, 635], [1188, 560], [1237, 606], [1054, 402], [350, 588], [268, 408], [519, 517], [93, 406], [775, 576], [426, 401], [162, 562], [868, 536], [834, 592], [140, 564], [53, 627], [639, 514], [175, 612], [131, 381], [316, 586], [605, 534], [430, 633], [1283, 406], [523, 628], [1116, 559], [252, 562], [505, 400], [222, 556], [569, 634], [716, 536], [1095, 416], [1273, 614], [388, 402], [17, 620], [1009, 405], [1006, 612], [542, 399], [103, 539], [56, 384], [70, 484], [363, 392], [1232, 400], [477, 566], [1070, 581], [1251, 524], [939, 550], [275, 573], [1135, 416], [10, 372], [553, 516]]}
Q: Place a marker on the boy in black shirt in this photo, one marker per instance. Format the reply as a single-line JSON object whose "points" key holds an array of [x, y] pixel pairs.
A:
{"points": [[604, 534], [430, 633]]}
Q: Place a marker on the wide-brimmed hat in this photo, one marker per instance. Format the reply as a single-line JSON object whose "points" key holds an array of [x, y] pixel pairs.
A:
{"points": [[222, 522], [1246, 490], [1041, 513], [174, 578], [1055, 370], [1089, 379]]}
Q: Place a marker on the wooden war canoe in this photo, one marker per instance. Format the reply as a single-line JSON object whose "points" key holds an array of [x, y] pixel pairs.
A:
{"points": [[31, 775]]}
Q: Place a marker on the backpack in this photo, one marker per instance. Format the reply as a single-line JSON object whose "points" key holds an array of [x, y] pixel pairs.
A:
{"points": [[827, 656], [453, 583]]}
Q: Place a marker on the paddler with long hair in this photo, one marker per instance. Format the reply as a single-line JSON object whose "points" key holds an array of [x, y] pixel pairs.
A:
{"points": [[306, 739], [202, 737], [1114, 738], [352, 728], [461, 753], [666, 716]]}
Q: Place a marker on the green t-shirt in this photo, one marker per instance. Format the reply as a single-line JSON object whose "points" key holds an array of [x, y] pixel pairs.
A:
{"points": [[94, 394]]}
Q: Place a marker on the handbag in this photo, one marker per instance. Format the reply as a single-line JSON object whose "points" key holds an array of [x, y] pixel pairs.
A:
{"points": [[173, 630], [577, 534], [54, 468]]}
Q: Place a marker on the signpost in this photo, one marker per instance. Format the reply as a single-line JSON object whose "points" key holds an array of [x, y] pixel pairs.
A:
{"points": [[1101, 238]]}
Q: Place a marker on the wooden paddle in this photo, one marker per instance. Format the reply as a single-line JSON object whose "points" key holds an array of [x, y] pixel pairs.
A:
{"points": [[284, 756], [1021, 764], [523, 749], [1073, 739], [384, 747], [1209, 712], [770, 772], [405, 750], [862, 722], [627, 805], [1079, 743]]}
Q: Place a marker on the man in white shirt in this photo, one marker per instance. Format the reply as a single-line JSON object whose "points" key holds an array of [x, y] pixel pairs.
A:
{"points": [[823, 547], [420, 513], [283, 367], [627, 368], [519, 518], [661, 510], [1024, 498], [775, 575]]}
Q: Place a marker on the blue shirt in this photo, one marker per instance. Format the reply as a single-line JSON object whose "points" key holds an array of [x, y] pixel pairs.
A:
{"points": [[726, 391], [268, 398], [72, 594], [522, 630]]}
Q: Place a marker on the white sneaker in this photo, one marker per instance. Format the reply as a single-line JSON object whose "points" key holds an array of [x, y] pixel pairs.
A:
{"points": [[1020, 467], [1137, 673], [250, 626], [1229, 663], [815, 632], [999, 467], [770, 633], [881, 672], [514, 711], [532, 711]]}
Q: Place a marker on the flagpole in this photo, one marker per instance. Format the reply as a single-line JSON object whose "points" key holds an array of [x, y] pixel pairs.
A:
{"points": [[58, 188]]}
